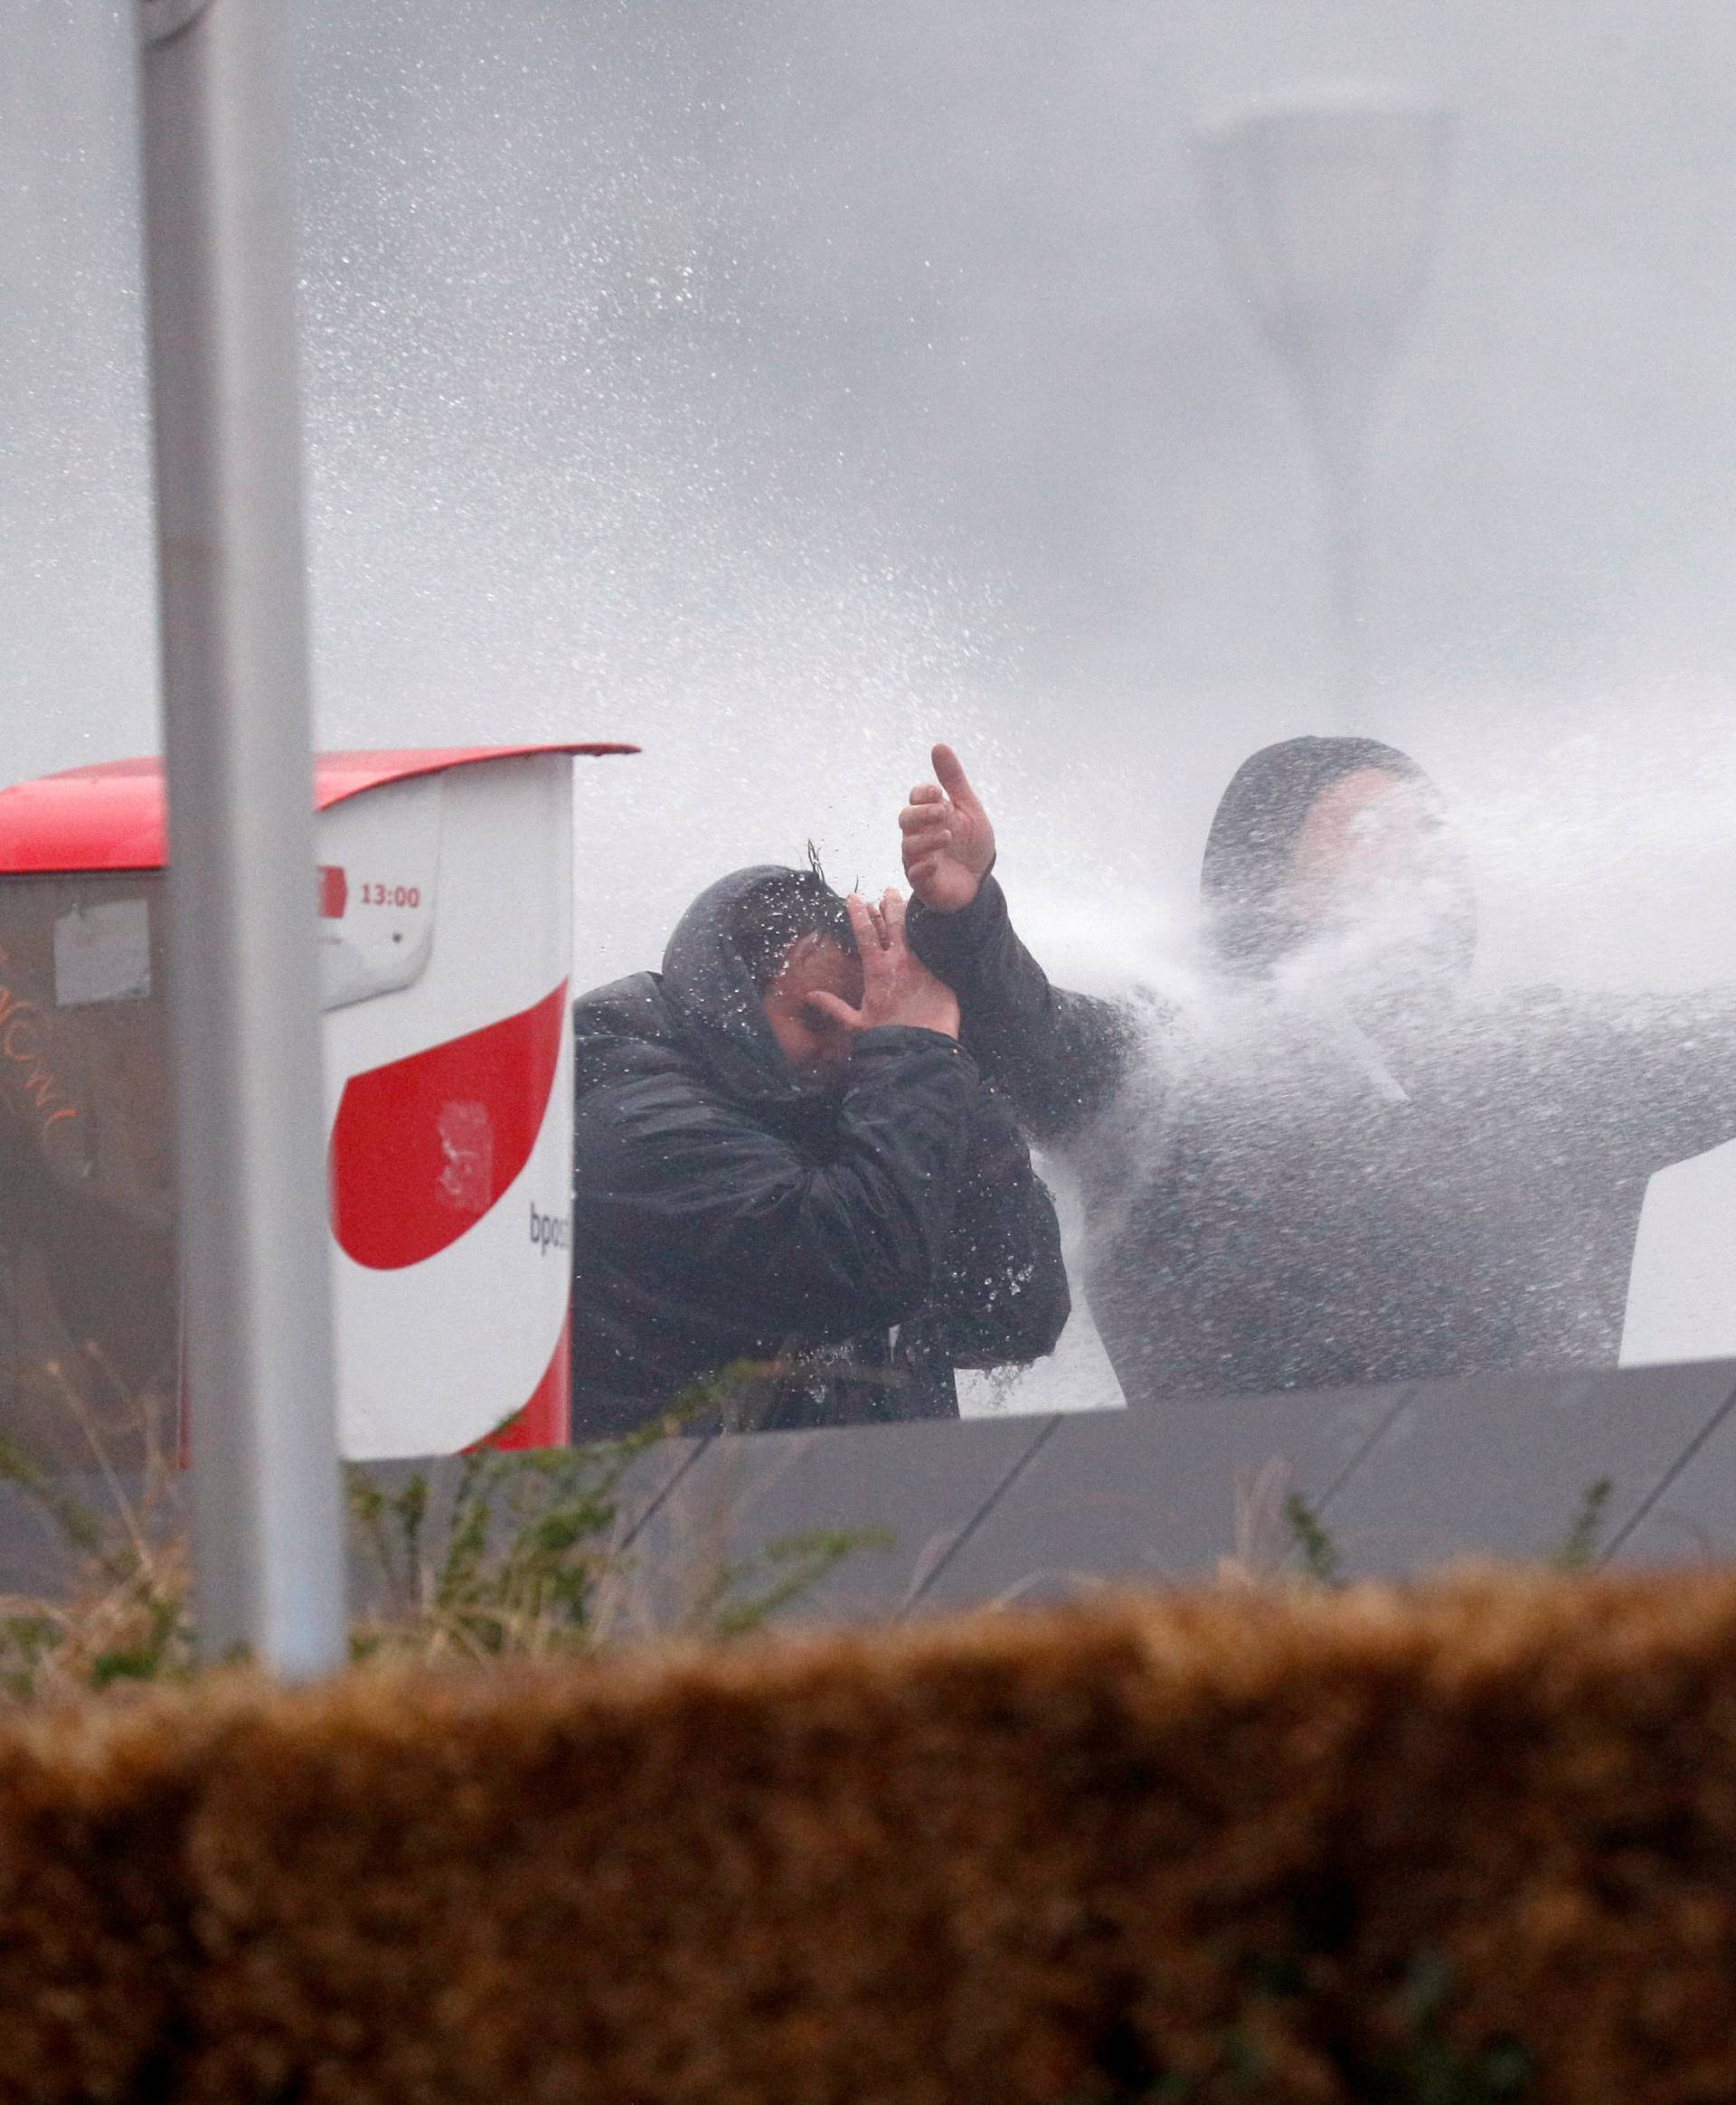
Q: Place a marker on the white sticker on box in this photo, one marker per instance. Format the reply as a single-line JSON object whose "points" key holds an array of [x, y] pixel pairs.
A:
{"points": [[379, 866], [103, 953]]}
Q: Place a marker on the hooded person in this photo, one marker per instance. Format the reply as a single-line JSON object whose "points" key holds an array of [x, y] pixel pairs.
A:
{"points": [[788, 1173], [1338, 1165]]}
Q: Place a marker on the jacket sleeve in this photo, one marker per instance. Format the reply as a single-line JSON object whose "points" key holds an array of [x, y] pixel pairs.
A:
{"points": [[689, 1189], [1654, 1076], [1061, 1057], [1003, 1299]]}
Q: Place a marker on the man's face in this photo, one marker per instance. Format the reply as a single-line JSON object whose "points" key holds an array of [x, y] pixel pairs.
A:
{"points": [[817, 1046], [1377, 873], [1369, 843]]}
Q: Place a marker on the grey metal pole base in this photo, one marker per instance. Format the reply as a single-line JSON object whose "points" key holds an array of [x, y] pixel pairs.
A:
{"points": [[217, 146]]}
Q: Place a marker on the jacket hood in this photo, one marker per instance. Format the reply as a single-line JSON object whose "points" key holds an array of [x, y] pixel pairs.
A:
{"points": [[1254, 836], [716, 1006]]}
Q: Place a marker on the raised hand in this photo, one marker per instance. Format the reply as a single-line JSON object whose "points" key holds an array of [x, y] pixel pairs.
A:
{"points": [[897, 987], [948, 842]]}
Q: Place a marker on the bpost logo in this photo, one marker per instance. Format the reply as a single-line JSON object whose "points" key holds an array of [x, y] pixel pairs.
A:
{"points": [[550, 1230]]}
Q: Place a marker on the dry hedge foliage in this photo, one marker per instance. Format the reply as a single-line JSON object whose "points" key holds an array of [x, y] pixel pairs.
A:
{"points": [[1470, 1842]]}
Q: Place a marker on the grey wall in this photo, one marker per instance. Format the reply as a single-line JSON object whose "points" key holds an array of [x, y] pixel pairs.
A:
{"points": [[1403, 1481]]}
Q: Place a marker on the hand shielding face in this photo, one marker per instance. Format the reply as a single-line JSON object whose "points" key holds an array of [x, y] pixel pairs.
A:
{"points": [[897, 987]]}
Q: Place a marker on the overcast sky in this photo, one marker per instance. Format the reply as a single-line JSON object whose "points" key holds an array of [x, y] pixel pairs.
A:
{"points": [[786, 384]]}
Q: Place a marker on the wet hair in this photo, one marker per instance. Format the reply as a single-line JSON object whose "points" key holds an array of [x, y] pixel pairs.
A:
{"points": [[1254, 837], [779, 910]]}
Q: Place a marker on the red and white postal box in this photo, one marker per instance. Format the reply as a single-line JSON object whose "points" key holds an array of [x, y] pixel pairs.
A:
{"points": [[444, 891]]}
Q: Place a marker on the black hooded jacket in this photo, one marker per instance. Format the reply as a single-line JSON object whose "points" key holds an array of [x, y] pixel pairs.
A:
{"points": [[1279, 1196], [863, 1244]]}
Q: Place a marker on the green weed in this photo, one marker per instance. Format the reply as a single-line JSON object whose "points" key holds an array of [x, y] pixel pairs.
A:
{"points": [[521, 1553]]}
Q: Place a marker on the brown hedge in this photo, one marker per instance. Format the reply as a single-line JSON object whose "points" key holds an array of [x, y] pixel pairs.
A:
{"points": [[1474, 1841]]}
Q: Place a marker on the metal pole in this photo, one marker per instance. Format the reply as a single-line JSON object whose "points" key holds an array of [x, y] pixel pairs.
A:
{"points": [[221, 269]]}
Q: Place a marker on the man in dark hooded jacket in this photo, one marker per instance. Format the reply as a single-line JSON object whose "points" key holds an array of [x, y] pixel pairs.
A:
{"points": [[1337, 1167], [786, 1163]]}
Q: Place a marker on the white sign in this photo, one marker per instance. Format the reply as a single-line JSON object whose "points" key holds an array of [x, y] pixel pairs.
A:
{"points": [[103, 953]]}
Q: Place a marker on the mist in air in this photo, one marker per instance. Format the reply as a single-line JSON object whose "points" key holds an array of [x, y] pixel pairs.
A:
{"points": [[785, 386]]}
